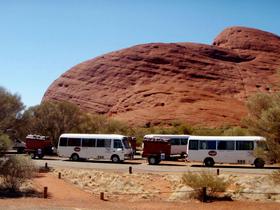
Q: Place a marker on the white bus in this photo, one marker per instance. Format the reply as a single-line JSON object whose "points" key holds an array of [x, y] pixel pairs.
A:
{"points": [[225, 149], [94, 146]]}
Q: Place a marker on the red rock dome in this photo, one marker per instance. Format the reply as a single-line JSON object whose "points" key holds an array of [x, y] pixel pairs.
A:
{"points": [[162, 82]]}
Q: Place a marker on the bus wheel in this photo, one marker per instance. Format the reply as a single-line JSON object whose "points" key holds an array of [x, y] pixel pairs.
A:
{"points": [[75, 157], [209, 162], [259, 163], [20, 150], [115, 159], [40, 156], [32, 155], [153, 160]]}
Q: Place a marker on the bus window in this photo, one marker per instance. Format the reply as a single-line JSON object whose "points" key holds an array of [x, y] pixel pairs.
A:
{"points": [[225, 145], [244, 145], [107, 143], [262, 145], [117, 144], [74, 142], [126, 143], [63, 142], [184, 141], [207, 144], [175, 141], [193, 145], [100, 143], [88, 142]]}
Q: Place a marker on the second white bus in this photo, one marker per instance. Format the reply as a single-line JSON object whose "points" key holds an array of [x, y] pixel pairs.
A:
{"points": [[94, 146], [225, 149]]}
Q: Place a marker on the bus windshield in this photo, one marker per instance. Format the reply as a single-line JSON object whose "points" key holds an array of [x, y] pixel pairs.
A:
{"points": [[126, 143], [262, 145]]}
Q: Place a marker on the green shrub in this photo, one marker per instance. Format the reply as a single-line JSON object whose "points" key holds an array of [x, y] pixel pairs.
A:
{"points": [[4, 143], [236, 131], [202, 131], [15, 171], [197, 181]]}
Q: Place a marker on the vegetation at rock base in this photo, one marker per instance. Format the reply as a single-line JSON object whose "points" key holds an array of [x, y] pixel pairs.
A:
{"points": [[54, 118]]}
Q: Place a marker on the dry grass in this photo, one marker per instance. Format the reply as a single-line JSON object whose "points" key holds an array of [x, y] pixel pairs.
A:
{"points": [[118, 185], [143, 186], [213, 183], [275, 176]]}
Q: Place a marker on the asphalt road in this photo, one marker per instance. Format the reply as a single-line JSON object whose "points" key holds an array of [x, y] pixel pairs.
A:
{"points": [[141, 165]]}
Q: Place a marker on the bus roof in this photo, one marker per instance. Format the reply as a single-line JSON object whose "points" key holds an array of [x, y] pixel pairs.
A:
{"points": [[228, 138], [165, 135], [83, 135]]}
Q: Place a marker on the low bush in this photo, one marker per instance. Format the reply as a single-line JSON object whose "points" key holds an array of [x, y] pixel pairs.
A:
{"points": [[275, 176], [15, 170], [213, 183]]}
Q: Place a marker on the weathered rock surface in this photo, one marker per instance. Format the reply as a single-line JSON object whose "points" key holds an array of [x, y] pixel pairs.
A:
{"points": [[157, 82]]}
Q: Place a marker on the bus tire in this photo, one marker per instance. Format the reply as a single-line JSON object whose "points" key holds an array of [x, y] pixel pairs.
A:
{"points": [[259, 163], [40, 156], [32, 155], [75, 157], [20, 150], [158, 161], [115, 159], [209, 162], [152, 160]]}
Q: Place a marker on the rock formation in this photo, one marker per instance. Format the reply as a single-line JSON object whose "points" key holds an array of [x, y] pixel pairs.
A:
{"points": [[158, 82]]}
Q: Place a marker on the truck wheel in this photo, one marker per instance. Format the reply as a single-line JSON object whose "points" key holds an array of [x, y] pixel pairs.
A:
{"points": [[209, 162], [40, 156], [20, 150], [32, 155], [75, 157], [153, 160], [259, 163], [115, 159]]}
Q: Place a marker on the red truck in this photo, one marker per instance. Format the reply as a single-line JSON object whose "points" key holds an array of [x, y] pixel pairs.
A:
{"points": [[38, 146], [157, 147]]}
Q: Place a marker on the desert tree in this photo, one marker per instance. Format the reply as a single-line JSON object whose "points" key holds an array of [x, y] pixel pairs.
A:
{"points": [[264, 120], [11, 108]]}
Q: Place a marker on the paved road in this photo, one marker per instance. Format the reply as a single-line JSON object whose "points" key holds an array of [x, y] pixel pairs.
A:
{"points": [[142, 166]]}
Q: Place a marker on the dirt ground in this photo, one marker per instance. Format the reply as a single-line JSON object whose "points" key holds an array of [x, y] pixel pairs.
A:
{"points": [[64, 195]]}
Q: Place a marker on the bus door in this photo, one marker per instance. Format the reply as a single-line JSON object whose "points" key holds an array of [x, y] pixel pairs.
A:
{"points": [[244, 151], [118, 147], [88, 148], [226, 152], [103, 149]]}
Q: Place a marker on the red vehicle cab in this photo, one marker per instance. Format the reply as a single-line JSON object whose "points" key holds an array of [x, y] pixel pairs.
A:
{"points": [[38, 146], [157, 147]]}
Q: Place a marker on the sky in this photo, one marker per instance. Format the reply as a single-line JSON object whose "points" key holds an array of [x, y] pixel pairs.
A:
{"points": [[42, 39]]}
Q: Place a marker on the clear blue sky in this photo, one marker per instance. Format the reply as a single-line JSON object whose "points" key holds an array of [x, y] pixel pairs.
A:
{"points": [[41, 39]]}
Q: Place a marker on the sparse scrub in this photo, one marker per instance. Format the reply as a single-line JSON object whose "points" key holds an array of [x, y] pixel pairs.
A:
{"points": [[197, 181], [275, 176], [15, 171], [4, 143]]}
